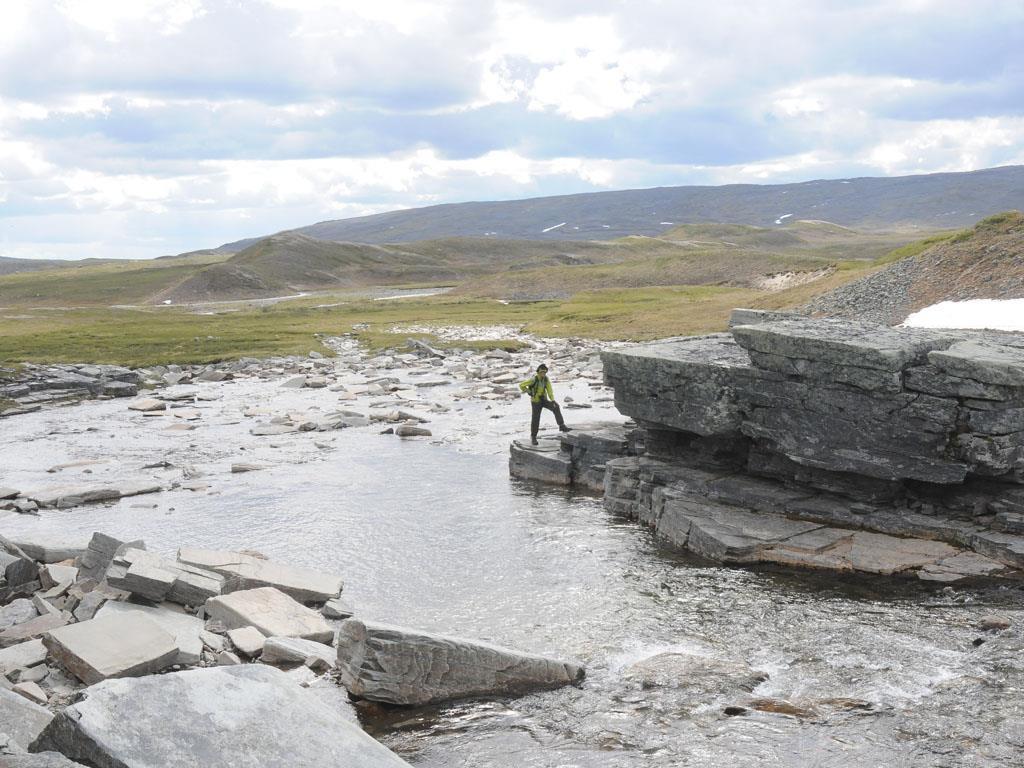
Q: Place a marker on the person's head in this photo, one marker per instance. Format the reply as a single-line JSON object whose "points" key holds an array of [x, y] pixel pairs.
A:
{"points": [[542, 370]]}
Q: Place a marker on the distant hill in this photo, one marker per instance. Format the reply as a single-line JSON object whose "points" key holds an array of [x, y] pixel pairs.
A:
{"points": [[985, 262], [924, 203], [10, 266]]}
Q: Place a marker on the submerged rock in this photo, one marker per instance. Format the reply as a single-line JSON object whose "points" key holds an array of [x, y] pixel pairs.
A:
{"points": [[702, 676], [407, 666], [248, 715]]}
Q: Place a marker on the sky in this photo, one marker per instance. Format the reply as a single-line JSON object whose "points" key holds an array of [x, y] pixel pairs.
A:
{"points": [[138, 128]]}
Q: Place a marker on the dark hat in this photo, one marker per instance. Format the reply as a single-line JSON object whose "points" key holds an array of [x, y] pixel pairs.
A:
{"points": [[542, 366]]}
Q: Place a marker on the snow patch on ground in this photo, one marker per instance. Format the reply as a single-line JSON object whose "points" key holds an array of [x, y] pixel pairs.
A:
{"points": [[991, 314], [554, 227], [783, 217]]}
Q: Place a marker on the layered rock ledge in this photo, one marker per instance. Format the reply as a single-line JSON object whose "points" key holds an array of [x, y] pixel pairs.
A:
{"points": [[821, 443]]}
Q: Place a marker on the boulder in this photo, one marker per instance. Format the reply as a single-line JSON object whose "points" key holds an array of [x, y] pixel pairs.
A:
{"points": [[183, 627], [242, 571], [270, 611], [248, 715], [158, 579], [293, 650], [545, 463], [21, 720], [112, 646], [93, 563], [408, 430], [406, 666]]}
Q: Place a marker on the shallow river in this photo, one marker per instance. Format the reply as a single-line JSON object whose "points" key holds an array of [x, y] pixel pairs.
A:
{"points": [[434, 535]]}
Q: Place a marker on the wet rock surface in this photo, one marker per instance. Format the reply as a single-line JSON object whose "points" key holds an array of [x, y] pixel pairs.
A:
{"points": [[397, 665]]}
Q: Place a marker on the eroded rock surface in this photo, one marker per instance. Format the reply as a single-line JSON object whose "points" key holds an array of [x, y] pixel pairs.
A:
{"points": [[407, 666]]}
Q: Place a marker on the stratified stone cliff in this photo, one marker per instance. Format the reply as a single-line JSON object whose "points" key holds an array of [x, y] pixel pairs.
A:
{"points": [[822, 443]]}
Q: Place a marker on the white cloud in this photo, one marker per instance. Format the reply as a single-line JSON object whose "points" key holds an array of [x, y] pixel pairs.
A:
{"points": [[112, 18]]}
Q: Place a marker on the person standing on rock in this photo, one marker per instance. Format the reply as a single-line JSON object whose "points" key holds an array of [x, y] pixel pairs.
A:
{"points": [[541, 397]]}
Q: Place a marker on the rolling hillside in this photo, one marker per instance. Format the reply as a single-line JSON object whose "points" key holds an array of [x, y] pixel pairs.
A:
{"points": [[985, 262], [922, 203]]}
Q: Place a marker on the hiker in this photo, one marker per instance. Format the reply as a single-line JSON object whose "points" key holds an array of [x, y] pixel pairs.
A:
{"points": [[541, 397]]}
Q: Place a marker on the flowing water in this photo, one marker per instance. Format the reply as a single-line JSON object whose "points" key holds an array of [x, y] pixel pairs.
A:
{"points": [[432, 534]]}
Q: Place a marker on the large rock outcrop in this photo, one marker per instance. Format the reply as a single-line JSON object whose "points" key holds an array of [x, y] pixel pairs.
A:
{"points": [[825, 443]]}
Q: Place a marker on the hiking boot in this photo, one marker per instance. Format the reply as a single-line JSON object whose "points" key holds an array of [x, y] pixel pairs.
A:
{"points": [[564, 428], [533, 440]]}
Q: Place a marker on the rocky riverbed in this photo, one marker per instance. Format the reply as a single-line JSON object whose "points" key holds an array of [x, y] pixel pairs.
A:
{"points": [[687, 663]]}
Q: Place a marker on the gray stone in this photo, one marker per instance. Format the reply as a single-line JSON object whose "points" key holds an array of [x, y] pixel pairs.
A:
{"points": [[409, 430], [270, 611], [31, 691], [112, 646], [248, 641], [89, 604], [27, 654], [981, 361], [157, 579], [293, 650], [248, 715], [51, 575], [8, 493], [406, 666], [93, 563], [227, 659], [31, 629], [37, 760], [242, 571], [65, 497], [337, 608], [183, 627], [50, 548], [147, 405], [545, 463], [21, 720], [17, 612]]}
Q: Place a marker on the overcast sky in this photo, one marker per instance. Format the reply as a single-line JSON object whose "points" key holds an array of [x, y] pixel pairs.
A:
{"points": [[135, 128]]}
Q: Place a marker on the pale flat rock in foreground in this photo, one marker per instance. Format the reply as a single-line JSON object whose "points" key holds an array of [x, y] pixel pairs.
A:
{"points": [[20, 719], [112, 646], [49, 548], [248, 716], [243, 571], [408, 666], [38, 760], [23, 655], [294, 650], [272, 612], [184, 627]]}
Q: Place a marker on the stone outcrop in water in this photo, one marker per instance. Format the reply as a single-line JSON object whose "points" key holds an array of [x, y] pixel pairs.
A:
{"points": [[32, 386], [406, 666], [819, 443], [829, 444]]}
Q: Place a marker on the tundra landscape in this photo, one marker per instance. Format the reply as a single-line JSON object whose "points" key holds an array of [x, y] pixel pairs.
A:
{"points": [[509, 386]]}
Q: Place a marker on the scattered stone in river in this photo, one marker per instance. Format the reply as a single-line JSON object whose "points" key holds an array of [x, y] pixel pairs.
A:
{"points": [[259, 718], [408, 430], [291, 650], [246, 571], [407, 666], [148, 405], [270, 611], [241, 467]]}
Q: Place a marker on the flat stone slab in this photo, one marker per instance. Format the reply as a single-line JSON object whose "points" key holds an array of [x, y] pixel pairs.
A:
{"points": [[50, 548], [545, 463], [294, 650], [158, 579], [113, 646], [23, 655], [20, 719], [37, 760], [270, 611], [702, 676], [31, 629], [184, 627], [65, 497], [981, 361], [407, 666], [17, 612], [243, 571], [248, 716]]}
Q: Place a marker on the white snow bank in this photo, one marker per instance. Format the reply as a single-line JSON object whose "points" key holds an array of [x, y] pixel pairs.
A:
{"points": [[992, 314], [783, 217], [554, 227]]}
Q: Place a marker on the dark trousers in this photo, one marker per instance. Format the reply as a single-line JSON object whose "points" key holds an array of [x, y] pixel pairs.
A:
{"points": [[537, 408]]}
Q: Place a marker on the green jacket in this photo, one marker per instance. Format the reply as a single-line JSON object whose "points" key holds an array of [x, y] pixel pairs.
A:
{"points": [[538, 389]]}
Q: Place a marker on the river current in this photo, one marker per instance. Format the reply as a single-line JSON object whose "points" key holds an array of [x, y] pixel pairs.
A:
{"points": [[431, 533]]}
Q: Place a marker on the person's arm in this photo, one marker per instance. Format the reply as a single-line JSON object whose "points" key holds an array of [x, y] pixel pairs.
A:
{"points": [[523, 386]]}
